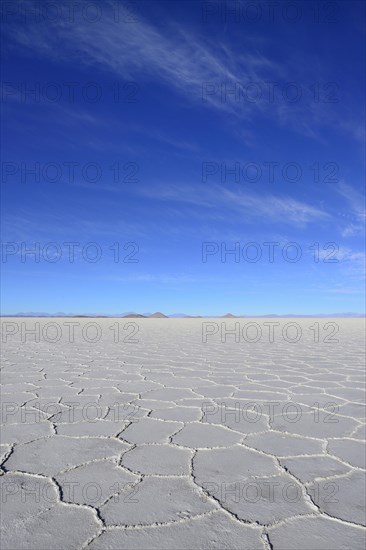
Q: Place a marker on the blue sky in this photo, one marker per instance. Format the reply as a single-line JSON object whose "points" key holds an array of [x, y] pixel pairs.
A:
{"points": [[137, 123]]}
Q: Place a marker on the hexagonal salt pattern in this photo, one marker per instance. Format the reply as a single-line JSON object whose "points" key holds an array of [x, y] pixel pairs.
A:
{"points": [[170, 442]]}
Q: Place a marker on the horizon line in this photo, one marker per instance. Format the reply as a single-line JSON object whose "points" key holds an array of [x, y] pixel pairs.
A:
{"points": [[159, 315]]}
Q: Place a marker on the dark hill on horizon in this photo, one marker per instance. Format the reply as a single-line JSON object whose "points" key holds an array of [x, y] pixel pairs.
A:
{"points": [[158, 315]]}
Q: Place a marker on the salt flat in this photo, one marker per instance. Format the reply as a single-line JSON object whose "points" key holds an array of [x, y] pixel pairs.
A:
{"points": [[158, 433]]}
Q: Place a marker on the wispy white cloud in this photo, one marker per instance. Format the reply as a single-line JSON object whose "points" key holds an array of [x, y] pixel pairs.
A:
{"points": [[253, 206], [355, 200], [165, 278], [344, 291], [183, 61], [352, 263], [278, 208]]}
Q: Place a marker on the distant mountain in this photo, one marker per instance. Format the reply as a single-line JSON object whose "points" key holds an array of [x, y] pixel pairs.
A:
{"points": [[178, 315], [158, 315], [230, 315], [86, 316], [134, 315], [57, 314], [310, 316], [37, 314]]}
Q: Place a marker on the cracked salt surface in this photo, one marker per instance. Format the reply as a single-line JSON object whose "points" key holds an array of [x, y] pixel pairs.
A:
{"points": [[175, 443]]}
